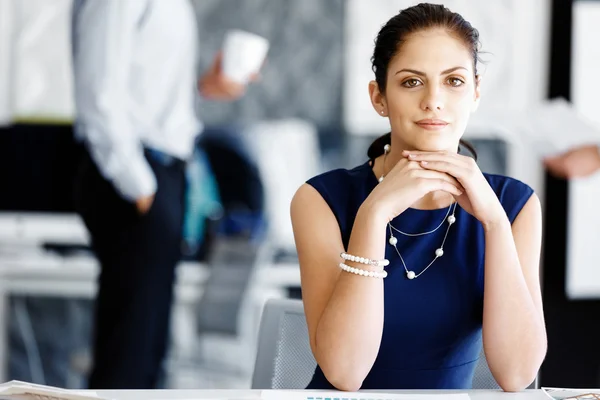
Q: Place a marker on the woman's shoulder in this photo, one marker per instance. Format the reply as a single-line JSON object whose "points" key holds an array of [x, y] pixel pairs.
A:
{"points": [[506, 185], [512, 193], [344, 189]]}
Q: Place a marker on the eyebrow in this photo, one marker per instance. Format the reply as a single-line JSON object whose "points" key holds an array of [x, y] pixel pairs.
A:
{"points": [[414, 71]]}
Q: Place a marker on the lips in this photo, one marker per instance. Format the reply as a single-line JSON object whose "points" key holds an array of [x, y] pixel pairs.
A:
{"points": [[432, 124]]}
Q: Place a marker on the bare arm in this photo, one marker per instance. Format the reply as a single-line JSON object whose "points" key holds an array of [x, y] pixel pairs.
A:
{"points": [[344, 311], [514, 334]]}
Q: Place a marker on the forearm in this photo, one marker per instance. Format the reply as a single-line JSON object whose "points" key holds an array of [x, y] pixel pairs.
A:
{"points": [[350, 329], [513, 329]]}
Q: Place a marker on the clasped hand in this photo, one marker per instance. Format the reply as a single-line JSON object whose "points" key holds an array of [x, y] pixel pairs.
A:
{"points": [[420, 172]]}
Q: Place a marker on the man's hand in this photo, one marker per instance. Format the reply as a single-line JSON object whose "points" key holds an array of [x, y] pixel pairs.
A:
{"points": [[576, 163], [214, 85], [143, 204]]}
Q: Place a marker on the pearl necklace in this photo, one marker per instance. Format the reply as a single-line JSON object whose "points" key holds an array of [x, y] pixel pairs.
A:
{"points": [[428, 232], [393, 241], [438, 252]]}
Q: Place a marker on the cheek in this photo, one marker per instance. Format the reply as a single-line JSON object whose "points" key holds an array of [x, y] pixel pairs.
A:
{"points": [[403, 105], [397, 108], [461, 103]]}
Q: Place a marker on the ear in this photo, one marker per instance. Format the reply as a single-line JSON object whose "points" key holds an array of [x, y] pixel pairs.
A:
{"points": [[477, 95], [377, 99]]}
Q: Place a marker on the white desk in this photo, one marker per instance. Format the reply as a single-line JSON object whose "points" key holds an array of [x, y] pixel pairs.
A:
{"points": [[255, 394], [38, 273]]}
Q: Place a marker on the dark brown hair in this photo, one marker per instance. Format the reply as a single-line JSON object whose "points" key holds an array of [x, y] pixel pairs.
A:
{"points": [[393, 34]]}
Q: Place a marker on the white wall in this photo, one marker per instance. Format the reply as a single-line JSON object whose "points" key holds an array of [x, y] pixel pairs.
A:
{"points": [[515, 33], [35, 60], [5, 61], [583, 237]]}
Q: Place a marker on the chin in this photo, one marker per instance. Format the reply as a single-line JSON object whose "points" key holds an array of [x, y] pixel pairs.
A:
{"points": [[431, 147]]}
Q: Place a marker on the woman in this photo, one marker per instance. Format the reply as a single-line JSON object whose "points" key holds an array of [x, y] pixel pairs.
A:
{"points": [[463, 247]]}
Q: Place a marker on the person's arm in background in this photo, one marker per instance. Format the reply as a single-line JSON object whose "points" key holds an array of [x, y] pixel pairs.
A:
{"points": [[103, 34], [578, 162]]}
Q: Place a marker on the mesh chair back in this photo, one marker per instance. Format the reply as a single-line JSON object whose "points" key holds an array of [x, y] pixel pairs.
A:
{"points": [[284, 359]]}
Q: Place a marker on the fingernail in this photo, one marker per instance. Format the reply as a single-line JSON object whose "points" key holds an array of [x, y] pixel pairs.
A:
{"points": [[423, 162], [411, 156]]}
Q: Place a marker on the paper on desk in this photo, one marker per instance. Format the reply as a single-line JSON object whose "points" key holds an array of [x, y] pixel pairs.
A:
{"points": [[575, 394], [318, 395], [17, 390]]}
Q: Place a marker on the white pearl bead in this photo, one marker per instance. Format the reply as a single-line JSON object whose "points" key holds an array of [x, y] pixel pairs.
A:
{"points": [[393, 241], [451, 219], [439, 252], [410, 275], [381, 179], [386, 148]]}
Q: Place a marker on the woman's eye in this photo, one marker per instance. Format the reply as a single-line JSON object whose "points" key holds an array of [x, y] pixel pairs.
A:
{"points": [[455, 82], [411, 83]]}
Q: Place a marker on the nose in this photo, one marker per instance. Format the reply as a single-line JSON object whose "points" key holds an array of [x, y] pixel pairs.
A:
{"points": [[432, 100]]}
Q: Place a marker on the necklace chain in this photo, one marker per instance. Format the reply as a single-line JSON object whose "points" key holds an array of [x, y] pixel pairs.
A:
{"points": [[439, 252], [393, 241]]}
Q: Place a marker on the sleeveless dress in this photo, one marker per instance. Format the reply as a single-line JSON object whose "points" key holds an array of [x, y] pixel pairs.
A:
{"points": [[432, 325]]}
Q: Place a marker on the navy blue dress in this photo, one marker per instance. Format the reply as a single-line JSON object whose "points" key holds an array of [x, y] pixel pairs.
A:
{"points": [[432, 325]]}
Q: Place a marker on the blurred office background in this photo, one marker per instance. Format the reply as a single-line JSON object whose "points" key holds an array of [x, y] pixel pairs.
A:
{"points": [[309, 113]]}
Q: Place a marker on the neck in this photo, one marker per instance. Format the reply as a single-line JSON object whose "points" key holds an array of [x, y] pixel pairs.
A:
{"points": [[431, 201]]}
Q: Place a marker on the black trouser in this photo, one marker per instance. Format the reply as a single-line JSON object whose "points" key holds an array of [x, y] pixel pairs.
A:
{"points": [[138, 255]]}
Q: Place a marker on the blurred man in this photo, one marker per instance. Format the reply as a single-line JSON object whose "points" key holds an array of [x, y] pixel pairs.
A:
{"points": [[578, 162], [135, 86]]}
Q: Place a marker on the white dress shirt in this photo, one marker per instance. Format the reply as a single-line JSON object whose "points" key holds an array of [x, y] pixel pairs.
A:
{"points": [[134, 63]]}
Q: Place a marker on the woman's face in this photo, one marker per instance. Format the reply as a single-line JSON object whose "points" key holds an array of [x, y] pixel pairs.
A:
{"points": [[431, 91]]}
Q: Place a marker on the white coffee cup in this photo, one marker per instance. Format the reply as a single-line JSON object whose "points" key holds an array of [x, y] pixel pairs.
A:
{"points": [[243, 55]]}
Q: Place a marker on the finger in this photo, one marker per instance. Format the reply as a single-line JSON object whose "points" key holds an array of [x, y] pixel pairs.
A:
{"points": [[457, 171], [429, 174], [229, 87], [444, 185], [439, 156], [406, 152], [432, 183], [405, 163]]}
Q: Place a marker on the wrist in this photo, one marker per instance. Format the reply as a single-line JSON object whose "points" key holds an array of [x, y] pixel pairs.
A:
{"points": [[494, 224], [372, 211]]}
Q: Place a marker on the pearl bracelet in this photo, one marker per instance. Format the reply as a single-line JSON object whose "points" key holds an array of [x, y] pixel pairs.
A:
{"points": [[366, 261], [363, 272]]}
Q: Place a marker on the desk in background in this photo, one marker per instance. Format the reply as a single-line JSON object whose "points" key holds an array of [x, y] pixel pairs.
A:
{"points": [[38, 273]]}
